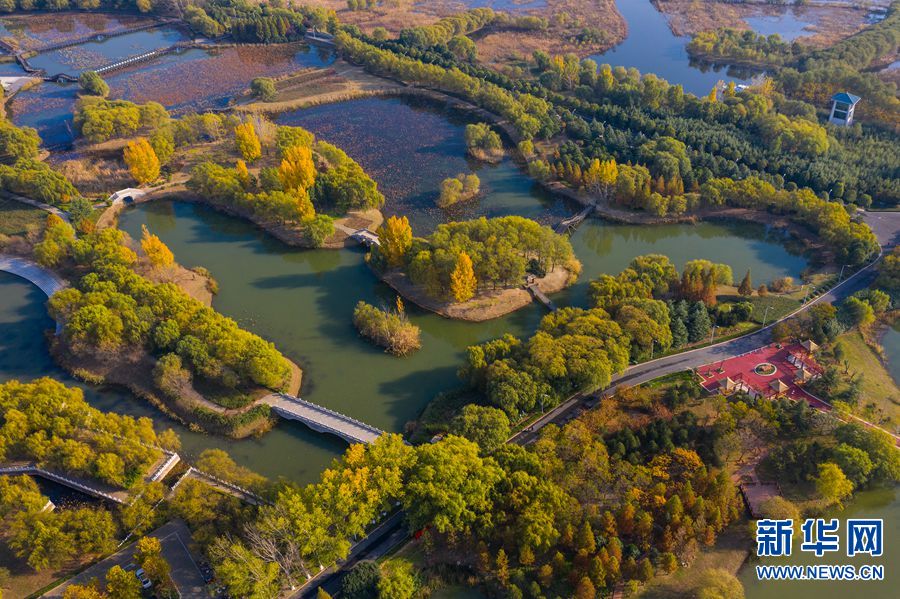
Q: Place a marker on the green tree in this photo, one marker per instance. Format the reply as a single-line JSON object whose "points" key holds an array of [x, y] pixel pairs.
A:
{"points": [[486, 426], [450, 486], [395, 236], [93, 84], [831, 483], [746, 286], [121, 584], [264, 89], [397, 580], [361, 581]]}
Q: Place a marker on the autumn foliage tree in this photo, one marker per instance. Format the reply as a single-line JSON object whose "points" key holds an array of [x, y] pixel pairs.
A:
{"points": [[395, 236], [158, 253], [247, 141], [297, 169], [142, 161], [462, 280]]}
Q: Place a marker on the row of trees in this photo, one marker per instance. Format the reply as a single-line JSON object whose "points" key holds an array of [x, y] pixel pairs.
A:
{"points": [[720, 130], [51, 425], [529, 114], [460, 257], [113, 309]]}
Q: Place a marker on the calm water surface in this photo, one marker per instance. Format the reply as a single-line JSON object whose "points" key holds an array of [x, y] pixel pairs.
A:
{"points": [[24, 356], [651, 47]]}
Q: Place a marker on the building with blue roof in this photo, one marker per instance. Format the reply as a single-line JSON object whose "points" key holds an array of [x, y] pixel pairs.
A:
{"points": [[842, 106]]}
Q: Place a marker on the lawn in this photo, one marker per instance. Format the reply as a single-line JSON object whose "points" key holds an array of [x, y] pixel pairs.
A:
{"points": [[17, 218], [877, 387], [728, 553], [778, 306]]}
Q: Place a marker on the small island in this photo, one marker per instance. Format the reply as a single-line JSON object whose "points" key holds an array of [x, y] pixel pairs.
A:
{"points": [[483, 143], [460, 188], [388, 328], [474, 270]]}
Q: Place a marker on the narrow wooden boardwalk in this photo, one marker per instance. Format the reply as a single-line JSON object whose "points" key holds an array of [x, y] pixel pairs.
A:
{"points": [[540, 296], [322, 419], [572, 222]]}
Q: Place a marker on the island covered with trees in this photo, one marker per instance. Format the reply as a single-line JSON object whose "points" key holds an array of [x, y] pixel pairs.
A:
{"points": [[473, 270], [120, 327]]}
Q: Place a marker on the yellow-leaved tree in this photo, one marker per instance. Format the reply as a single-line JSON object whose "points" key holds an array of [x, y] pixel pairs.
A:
{"points": [[462, 280], [395, 236], [247, 141], [141, 160], [242, 173], [158, 253], [297, 169]]}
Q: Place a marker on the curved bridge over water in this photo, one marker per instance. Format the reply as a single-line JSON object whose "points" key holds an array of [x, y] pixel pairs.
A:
{"points": [[322, 419], [39, 276]]}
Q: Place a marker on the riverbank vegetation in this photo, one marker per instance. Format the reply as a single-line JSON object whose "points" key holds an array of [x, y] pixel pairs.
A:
{"points": [[388, 328], [734, 136], [119, 326], [296, 182], [813, 75], [483, 143]]}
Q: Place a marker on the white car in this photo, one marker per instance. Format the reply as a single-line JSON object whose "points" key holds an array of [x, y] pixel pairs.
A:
{"points": [[142, 577]]}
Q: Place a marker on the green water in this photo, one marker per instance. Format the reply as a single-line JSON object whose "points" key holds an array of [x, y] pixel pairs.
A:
{"points": [[881, 503], [302, 300], [24, 356]]}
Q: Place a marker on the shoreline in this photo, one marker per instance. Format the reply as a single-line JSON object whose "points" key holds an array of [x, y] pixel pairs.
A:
{"points": [[485, 306]]}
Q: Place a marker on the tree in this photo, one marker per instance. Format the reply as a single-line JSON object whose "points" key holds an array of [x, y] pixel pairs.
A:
{"points": [[698, 323], [159, 255], [247, 141], [832, 484], [142, 161], [746, 286], [395, 236], [361, 581], [717, 583], [264, 89], [297, 169], [321, 593], [93, 84], [857, 312], [487, 426], [462, 280], [585, 589], [397, 580], [450, 485], [121, 584]]}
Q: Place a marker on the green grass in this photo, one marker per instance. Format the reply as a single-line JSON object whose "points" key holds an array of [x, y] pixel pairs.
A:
{"points": [[778, 306], [17, 218], [877, 387]]}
